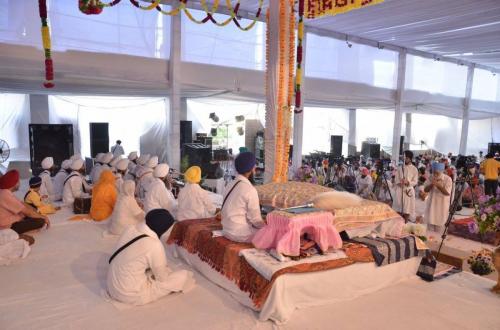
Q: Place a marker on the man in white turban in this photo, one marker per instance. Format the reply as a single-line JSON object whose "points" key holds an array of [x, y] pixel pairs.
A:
{"points": [[121, 171], [75, 184], [60, 178], [47, 187], [105, 160], [97, 165], [157, 194]]}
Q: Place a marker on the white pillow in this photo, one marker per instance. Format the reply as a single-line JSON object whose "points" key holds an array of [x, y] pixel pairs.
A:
{"points": [[334, 200]]}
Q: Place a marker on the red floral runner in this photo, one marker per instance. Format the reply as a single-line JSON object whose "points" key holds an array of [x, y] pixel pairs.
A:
{"points": [[223, 255]]}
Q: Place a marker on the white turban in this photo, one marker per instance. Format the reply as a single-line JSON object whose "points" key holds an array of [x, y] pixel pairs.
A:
{"points": [[161, 170], [143, 159], [152, 162], [47, 163], [77, 164], [115, 161], [75, 157], [98, 157], [122, 165], [106, 158], [66, 164], [132, 156]]}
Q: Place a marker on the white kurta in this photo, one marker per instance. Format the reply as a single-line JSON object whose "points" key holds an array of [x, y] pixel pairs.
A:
{"points": [[407, 193], [98, 171], [126, 212], [117, 150], [438, 204], [143, 183], [74, 187], [241, 216], [129, 280], [194, 203], [12, 247], [159, 197], [59, 184], [47, 187], [93, 171], [365, 186]]}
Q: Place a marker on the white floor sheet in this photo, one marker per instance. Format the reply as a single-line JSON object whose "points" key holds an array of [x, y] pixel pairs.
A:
{"points": [[60, 284]]}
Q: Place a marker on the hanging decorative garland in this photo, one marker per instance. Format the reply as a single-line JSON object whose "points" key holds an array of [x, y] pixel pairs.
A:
{"points": [[94, 7], [49, 64], [298, 72]]}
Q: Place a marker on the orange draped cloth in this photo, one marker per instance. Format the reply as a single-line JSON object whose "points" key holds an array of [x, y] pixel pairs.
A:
{"points": [[104, 196]]}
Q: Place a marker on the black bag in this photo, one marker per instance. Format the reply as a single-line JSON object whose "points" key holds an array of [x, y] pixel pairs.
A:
{"points": [[82, 205], [427, 267]]}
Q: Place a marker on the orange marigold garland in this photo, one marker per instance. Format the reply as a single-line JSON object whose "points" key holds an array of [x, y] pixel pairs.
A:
{"points": [[49, 64]]}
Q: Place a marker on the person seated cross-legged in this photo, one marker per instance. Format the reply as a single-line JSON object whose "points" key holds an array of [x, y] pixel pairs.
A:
{"points": [[138, 272], [240, 211], [13, 213]]}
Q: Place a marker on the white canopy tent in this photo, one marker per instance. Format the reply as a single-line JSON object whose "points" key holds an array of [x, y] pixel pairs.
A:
{"points": [[128, 52]]}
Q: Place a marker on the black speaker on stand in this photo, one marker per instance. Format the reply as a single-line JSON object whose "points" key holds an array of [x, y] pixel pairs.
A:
{"points": [[54, 140], [336, 145], [99, 138], [186, 128]]}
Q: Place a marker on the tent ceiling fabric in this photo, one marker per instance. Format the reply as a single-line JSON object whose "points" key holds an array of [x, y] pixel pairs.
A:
{"points": [[460, 29]]}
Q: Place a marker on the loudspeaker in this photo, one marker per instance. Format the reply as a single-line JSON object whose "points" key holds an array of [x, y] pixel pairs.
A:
{"points": [[197, 154], [336, 145], [99, 138], [371, 150], [401, 145], [55, 140], [493, 148], [186, 132]]}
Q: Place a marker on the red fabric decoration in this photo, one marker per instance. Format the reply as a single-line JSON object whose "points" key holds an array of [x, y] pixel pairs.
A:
{"points": [[9, 179]]}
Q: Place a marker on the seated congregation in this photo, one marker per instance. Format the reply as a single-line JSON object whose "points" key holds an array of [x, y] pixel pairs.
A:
{"points": [[250, 245]]}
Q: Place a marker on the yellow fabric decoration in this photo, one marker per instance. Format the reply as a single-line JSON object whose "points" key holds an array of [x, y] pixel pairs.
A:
{"points": [[193, 174], [46, 37], [104, 196]]}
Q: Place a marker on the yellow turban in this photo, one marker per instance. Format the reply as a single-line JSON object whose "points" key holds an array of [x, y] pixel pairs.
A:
{"points": [[193, 174]]}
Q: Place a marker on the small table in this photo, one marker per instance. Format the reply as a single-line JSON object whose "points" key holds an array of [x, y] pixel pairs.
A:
{"points": [[283, 232]]}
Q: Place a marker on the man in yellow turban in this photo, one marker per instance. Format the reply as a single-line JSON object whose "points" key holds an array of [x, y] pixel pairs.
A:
{"points": [[104, 196], [194, 202]]}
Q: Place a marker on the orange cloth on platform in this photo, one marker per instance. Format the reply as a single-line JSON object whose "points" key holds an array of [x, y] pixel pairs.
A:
{"points": [[104, 196]]}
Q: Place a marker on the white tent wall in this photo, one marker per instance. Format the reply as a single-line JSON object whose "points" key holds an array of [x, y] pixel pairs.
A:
{"points": [[139, 122], [14, 119]]}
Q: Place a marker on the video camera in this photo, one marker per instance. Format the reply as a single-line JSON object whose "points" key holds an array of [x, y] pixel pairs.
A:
{"points": [[465, 162]]}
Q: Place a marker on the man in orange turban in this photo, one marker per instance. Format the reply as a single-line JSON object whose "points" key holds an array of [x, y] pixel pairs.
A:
{"points": [[104, 196]]}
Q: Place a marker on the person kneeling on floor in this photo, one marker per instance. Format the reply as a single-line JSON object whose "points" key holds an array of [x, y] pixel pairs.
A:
{"points": [[138, 273], [240, 211], [33, 198], [13, 213]]}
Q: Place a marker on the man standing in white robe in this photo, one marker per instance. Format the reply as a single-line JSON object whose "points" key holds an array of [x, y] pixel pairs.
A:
{"points": [[47, 188], [117, 149], [60, 178], [157, 194], [405, 182], [139, 273], [438, 187]]}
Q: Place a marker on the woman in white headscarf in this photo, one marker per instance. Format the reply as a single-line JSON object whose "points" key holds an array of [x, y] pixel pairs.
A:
{"points": [[126, 212]]}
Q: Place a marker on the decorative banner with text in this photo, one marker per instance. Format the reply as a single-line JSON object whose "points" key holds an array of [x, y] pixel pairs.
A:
{"points": [[319, 8]]}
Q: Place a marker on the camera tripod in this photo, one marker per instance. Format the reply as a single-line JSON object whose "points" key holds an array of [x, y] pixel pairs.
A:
{"points": [[464, 177], [381, 184]]}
